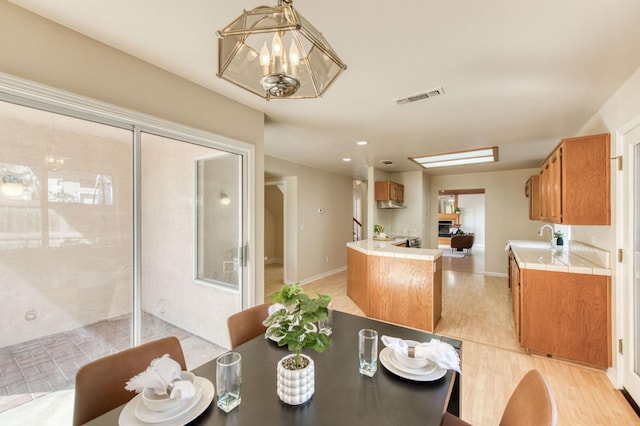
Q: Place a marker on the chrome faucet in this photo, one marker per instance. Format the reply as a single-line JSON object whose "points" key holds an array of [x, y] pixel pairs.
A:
{"points": [[546, 225]]}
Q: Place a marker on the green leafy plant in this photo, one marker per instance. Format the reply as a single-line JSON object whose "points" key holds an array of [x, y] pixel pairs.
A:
{"points": [[377, 229], [294, 324], [558, 234]]}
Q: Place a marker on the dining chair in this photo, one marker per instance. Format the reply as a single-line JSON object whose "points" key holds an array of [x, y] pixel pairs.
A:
{"points": [[245, 325], [100, 383], [530, 404]]}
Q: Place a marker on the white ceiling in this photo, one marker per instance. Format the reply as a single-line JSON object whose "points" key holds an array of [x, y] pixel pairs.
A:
{"points": [[517, 75]]}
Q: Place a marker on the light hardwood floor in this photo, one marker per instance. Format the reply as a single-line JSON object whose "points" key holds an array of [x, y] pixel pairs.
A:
{"points": [[477, 310]]}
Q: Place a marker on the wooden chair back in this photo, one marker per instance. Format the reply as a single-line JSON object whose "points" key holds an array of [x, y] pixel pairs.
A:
{"points": [[531, 403], [247, 324], [100, 383]]}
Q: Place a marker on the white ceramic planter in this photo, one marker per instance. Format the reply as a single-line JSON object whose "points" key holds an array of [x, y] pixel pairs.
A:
{"points": [[296, 387]]}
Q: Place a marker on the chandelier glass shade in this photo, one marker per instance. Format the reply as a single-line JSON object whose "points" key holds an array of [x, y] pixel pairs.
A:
{"points": [[274, 52]]}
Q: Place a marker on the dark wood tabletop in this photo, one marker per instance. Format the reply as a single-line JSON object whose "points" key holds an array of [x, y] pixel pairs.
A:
{"points": [[342, 395]]}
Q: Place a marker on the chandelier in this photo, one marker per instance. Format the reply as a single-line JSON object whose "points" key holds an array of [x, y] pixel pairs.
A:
{"points": [[274, 52]]}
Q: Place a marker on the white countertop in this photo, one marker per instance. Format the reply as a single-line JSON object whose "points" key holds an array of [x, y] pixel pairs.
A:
{"points": [[575, 257], [389, 249]]}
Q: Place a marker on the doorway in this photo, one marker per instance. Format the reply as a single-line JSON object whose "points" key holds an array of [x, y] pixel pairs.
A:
{"points": [[461, 212], [280, 235]]}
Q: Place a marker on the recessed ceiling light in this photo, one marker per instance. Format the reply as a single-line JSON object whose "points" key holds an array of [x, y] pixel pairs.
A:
{"points": [[362, 142], [346, 159], [475, 156], [386, 162]]}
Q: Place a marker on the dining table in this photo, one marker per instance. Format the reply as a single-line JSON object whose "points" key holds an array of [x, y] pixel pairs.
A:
{"points": [[342, 395]]}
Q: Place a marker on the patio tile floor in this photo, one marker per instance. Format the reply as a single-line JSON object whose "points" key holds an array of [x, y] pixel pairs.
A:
{"points": [[37, 367]]}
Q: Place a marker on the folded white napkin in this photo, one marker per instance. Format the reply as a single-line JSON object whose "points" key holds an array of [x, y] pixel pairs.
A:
{"points": [[163, 376], [441, 353]]}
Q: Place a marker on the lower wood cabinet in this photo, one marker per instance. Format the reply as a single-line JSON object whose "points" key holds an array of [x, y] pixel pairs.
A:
{"points": [[566, 315], [396, 289]]}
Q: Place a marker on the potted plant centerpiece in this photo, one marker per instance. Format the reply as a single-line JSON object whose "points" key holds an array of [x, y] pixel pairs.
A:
{"points": [[558, 235], [294, 326]]}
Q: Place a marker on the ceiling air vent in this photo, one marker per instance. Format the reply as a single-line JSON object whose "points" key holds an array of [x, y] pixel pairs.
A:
{"points": [[420, 96]]}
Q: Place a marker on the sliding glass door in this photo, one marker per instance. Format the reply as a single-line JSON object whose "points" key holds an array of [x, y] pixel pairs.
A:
{"points": [[66, 266], [113, 232]]}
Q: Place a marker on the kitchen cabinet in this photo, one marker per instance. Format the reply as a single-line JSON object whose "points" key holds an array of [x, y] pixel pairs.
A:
{"points": [[575, 182], [532, 191], [387, 190], [562, 314], [395, 287]]}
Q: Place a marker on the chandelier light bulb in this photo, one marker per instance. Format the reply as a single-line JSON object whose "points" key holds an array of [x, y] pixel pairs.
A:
{"points": [[276, 46], [294, 58], [265, 57]]}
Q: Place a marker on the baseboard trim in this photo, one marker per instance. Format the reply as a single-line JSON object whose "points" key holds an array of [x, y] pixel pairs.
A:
{"points": [[323, 275]]}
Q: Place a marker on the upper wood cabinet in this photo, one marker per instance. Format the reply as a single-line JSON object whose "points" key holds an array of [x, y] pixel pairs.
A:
{"points": [[575, 182], [532, 191], [387, 190]]}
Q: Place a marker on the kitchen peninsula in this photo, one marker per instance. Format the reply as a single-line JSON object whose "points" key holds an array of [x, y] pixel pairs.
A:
{"points": [[394, 283]]}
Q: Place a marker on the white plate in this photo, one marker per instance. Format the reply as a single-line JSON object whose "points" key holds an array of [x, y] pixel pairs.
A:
{"points": [[207, 392], [143, 413], [427, 369], [385, 360]]}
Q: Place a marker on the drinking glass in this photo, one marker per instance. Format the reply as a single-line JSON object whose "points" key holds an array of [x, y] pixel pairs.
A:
{"points": [[368, 351], [229, 380], [326, 326]]}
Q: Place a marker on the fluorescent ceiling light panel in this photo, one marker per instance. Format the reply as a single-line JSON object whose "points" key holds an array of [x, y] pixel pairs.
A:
{"points": [[476, 156]]}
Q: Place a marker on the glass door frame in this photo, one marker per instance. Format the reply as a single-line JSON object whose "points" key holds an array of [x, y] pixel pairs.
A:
{"points": [[30, 94]]}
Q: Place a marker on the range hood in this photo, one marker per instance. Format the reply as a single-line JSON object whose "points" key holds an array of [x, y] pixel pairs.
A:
{"points": [[390, 204]]}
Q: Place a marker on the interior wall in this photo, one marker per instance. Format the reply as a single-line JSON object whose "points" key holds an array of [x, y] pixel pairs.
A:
{"points": [[472, 216], [427, 238], [506, 210], [273, 227], [321, 236], [39, 50], [620, 110], [408, 221], [377, 216]]}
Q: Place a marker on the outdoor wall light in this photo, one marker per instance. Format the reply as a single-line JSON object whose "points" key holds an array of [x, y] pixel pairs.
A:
{"points": [[11, 186]]}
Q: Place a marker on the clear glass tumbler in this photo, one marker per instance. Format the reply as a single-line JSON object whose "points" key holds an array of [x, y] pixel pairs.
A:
{"points": [[326, 326], [368, 351], [229, 380]]}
